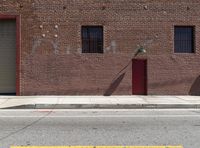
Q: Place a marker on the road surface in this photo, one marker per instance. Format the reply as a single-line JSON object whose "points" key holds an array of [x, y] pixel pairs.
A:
{"points": [[100, 127]]}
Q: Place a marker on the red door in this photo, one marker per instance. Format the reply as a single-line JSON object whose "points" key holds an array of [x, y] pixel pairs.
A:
{"points": [[139, 77]]}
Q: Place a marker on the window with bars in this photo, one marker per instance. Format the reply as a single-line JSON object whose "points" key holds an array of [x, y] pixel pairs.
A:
{"points": [[92, 39], [184, 39]]}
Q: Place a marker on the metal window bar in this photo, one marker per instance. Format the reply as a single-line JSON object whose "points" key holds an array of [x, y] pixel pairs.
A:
{"points": [[184, 39], [92, 39]]}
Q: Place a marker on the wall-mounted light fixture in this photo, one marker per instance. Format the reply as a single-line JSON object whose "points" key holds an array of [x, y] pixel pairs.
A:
{"points": [[140, 50]]}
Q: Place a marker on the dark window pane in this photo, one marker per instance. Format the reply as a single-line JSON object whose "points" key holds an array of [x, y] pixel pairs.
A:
{"points": [[85, 40], [92, 39], [184, 39]]}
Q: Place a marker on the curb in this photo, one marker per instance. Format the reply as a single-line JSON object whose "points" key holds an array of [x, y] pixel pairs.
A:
{"points": [[106, 106]]}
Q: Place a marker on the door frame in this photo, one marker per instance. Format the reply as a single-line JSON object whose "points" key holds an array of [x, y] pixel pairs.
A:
{"points": [[146, 74], [18, 46]]}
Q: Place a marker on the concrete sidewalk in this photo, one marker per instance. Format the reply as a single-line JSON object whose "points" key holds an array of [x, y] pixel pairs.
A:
{"points": [[85, 102]]}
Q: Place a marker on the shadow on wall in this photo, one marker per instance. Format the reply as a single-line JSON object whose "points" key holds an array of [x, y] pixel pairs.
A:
{"points": [[113, 86], [195, 89], [117, 80]]}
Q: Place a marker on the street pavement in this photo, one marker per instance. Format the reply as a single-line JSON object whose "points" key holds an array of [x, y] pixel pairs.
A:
{"points": [[100, 127]]}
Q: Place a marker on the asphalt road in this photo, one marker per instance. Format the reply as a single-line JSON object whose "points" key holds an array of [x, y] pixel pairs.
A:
{"points": [[100, 127]]}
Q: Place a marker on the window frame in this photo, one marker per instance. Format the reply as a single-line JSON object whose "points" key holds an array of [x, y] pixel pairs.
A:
{"points": [[193, 51], [82, 40]]}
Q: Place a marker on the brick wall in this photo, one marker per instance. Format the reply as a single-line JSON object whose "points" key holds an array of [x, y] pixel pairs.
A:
{"points": [[51, 58]]}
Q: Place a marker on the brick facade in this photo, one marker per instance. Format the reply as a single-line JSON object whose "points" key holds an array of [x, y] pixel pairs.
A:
{"points": [[51, 62]]}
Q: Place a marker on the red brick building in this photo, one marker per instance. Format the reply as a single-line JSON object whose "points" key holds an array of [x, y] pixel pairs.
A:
{"points": [[91, 47]]}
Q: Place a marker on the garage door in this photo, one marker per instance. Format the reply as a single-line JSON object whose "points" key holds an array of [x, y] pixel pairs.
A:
{"points": [[7, 57]]}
